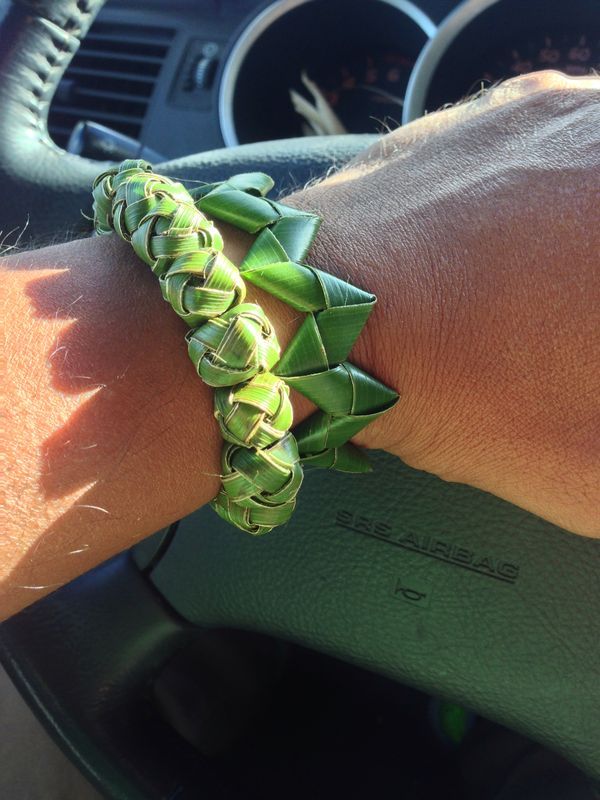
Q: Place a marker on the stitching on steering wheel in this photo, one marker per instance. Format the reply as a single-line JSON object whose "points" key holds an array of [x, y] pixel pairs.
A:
{"points": [[65, 41]]}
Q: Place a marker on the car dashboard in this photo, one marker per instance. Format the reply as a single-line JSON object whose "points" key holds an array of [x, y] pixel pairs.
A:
{"points": [[195, 75]]}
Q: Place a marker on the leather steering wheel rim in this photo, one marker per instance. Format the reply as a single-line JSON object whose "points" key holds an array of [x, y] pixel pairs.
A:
{"points": [[440, 586]]}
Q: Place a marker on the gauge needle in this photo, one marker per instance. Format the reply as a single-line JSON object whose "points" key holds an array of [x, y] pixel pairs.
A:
{"points": [[319, 117], [392, 98]]}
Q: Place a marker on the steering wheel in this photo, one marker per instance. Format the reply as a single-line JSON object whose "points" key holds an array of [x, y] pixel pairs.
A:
{"points": [[440, 586]]}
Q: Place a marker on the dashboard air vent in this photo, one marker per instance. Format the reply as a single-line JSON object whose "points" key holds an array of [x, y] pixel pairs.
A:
{"points": [[110, 80]]}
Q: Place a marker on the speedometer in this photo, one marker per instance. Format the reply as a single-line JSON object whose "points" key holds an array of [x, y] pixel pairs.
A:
{"points": [[574, 52], [305, 67], [485, 41]]}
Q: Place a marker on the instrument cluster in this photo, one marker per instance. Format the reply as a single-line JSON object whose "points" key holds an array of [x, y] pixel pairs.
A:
{"points": [[306, 67]]}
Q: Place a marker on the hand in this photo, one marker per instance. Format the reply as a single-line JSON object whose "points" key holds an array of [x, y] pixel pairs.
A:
{"points": [[479, 230]]}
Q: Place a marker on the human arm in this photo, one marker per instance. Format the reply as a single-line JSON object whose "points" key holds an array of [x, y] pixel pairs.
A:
{"points": [[483, 250]]}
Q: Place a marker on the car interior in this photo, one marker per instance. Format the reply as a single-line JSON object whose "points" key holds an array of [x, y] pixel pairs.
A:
{"points": [[401, 637]]}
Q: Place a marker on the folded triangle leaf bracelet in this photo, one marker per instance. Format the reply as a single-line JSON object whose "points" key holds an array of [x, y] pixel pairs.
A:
{"points": [[232, 343]]}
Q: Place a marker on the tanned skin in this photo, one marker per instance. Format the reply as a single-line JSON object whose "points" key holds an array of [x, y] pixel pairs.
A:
{"points": [[479, 230]]}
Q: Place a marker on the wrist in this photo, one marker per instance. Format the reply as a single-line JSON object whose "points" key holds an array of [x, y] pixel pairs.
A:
{"points": [[284, 318], [392, 345]]}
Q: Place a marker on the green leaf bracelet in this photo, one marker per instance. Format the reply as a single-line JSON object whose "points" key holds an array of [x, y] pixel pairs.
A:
{"points": [[232, 343]]}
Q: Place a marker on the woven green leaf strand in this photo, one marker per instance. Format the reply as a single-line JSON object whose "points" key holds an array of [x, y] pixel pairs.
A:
{"points": [[231, 343], [234, 347], [182, 247], [259, 485], [314, 362], [256, 413], [202, 285], [274, 471]]}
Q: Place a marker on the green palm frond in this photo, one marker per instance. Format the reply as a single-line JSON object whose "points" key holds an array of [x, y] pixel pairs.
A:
{"points": [[232, 344]]}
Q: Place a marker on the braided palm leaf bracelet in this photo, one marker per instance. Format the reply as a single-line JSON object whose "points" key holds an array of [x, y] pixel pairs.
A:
{"points": [[232, 343]]}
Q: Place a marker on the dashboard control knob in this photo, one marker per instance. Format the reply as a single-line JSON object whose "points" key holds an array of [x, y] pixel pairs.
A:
{"points": [[203, 68]]}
